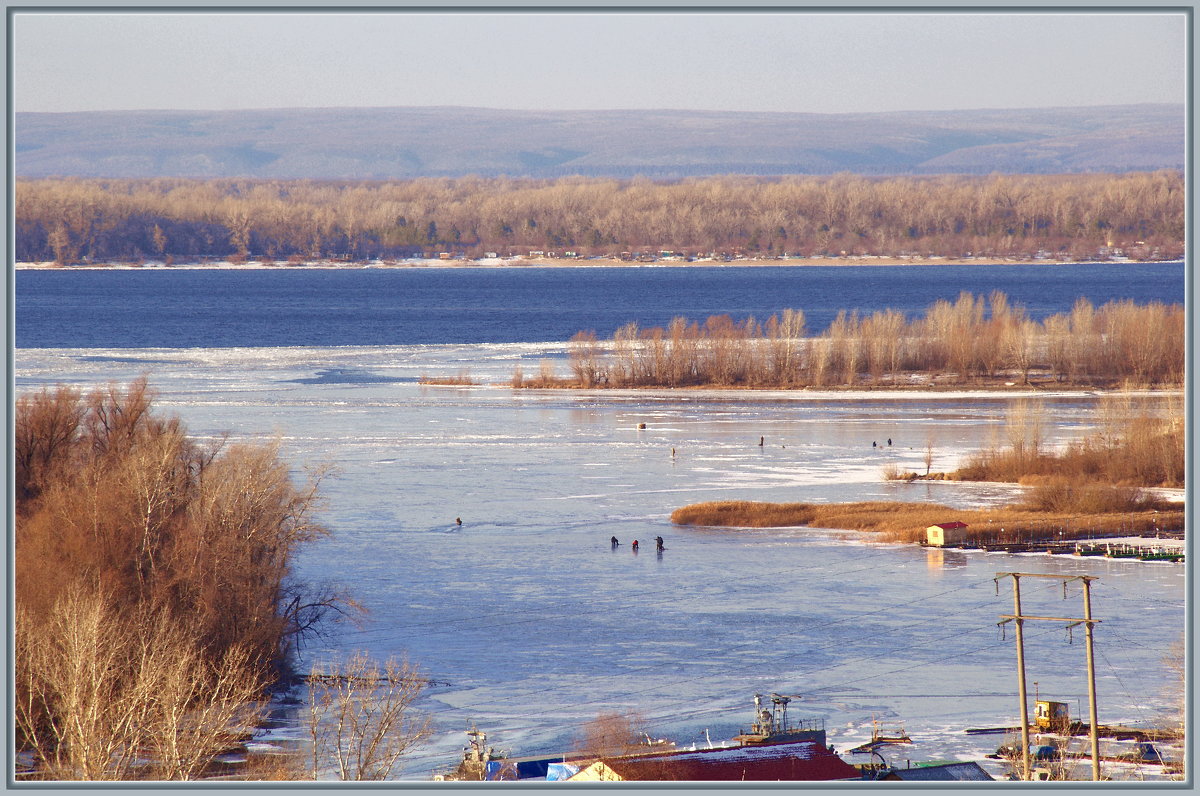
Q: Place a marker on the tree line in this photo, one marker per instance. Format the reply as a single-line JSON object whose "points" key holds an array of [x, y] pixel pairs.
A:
{"points": [[71, 220], [971, 340]]}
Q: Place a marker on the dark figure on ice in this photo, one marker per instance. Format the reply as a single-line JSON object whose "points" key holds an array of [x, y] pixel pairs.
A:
{"points": [[658, 543], [889, 442], [761, 440], [614, 543], [873, 445], [458, 520], [635, 545]]}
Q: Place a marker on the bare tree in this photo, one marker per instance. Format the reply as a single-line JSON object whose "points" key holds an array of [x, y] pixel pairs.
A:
{"points": [[106, 696], [153, 585], [585, 359], [361, 719], [610, 734]]}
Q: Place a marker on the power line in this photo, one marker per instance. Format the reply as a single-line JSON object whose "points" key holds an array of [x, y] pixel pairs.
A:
{"points": [[442, 625], [446, 625], [886, 653]]}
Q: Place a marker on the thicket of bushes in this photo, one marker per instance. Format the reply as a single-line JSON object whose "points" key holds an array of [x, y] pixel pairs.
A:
{"points": [[1074, 215], [970, 339], [154, 597], [1132, 448]]}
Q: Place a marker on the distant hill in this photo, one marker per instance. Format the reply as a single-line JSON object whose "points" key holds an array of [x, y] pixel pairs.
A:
{"points": [[357, 143]]}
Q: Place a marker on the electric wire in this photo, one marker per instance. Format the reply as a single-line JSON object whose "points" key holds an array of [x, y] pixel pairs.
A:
{"points": [[659, 685], [1135, 702], [849, 618], [855, 617], [845, 683], [1140, 598], [446, 625]]}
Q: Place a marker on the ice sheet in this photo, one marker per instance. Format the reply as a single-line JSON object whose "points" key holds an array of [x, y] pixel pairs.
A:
{"points": [[537, 625]]}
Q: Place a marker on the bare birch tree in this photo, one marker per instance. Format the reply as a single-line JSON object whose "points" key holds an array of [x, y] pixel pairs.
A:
{"points": [[361, 718]]}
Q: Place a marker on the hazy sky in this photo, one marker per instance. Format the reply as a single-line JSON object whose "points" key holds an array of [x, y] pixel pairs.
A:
{"points": [[802, 61]]}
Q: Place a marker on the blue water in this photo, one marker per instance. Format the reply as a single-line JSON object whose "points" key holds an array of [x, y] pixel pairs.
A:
{"points": [[163, 308]]}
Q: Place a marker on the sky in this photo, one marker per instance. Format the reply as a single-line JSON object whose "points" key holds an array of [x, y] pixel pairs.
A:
{"points": [[793, 62]]}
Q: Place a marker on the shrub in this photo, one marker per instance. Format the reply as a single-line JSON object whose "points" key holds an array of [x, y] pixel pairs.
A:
{"points": [[170, 549]]}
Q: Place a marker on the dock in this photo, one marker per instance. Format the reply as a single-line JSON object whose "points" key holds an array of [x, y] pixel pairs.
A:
{"points": [[1166, 547], [1114, 732]]}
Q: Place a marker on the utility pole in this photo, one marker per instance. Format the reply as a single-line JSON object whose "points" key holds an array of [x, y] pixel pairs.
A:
{"points": [[1019, 619], [1093, 726]]}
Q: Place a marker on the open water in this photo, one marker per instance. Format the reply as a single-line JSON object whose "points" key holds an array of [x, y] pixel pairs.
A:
{"points": [[524, 612], [156, 307]]}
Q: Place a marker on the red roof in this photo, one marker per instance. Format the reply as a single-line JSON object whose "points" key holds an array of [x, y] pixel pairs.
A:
{"points": [[949, 526], [789, 762]]}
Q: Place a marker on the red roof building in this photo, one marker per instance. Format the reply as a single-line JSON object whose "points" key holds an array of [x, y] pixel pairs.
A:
{"points": [[806, 761]]}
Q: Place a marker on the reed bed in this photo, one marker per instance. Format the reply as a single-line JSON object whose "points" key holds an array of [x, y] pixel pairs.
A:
{"points": [[1131, 447], [906, 522], [460, 379]]}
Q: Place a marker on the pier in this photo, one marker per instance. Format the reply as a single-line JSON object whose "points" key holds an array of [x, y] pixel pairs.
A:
{"points": [[1166, 546]]}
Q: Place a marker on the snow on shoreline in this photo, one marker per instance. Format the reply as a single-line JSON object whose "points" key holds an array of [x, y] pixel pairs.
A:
{"points": [[541, 262]]}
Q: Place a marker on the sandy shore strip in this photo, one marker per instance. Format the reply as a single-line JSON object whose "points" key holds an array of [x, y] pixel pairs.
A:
{"points": [[543, 262]]}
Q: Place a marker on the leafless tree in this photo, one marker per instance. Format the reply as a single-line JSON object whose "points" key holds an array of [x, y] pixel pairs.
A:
{"points": [[106, 696], [361, 718]]}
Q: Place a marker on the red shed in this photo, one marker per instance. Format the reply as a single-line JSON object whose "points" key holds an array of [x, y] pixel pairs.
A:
{"points": [[806, 761]]}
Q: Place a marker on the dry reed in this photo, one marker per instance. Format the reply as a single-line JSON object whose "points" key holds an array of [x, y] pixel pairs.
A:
{"points": [[1131, 448], [460, 379], [906, 522]]}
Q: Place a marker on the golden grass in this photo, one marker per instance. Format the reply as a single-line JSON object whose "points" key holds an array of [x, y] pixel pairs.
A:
{"points": [[906, 522], [461, 379]]}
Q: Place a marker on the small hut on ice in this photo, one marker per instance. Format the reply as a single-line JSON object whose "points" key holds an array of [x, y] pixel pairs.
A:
{"points": [[945, 533]]}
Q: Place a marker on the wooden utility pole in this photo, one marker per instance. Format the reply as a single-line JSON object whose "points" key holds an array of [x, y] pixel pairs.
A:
{"points": [[1021, 690], [1091, 666], [1019, 619]]}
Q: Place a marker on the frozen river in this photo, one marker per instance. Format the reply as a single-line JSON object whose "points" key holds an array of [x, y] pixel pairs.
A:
{"points": [[537, 625]]}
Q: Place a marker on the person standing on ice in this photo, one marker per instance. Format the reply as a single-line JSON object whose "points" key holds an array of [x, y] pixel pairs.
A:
{"points": [[658, 543], [614, 543], [635, 545]]}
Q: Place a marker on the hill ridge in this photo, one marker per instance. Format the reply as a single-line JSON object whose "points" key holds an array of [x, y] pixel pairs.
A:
{"points": [[440, 141]]}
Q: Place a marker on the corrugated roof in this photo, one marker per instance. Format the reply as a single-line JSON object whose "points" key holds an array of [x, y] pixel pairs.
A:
{"points": [[805, 761], [951, 772]]}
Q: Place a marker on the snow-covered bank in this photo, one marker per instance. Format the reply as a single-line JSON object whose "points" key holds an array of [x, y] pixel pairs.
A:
{"points": [[577, 262]]}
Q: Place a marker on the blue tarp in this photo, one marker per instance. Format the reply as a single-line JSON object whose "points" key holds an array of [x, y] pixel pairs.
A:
{"points": [[518, 769], [560, 771]]}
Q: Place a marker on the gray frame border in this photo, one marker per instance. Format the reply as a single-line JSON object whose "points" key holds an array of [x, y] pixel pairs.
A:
{"points": [[551, 6]]}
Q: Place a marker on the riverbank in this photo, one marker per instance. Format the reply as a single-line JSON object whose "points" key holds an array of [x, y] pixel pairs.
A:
{"points": [[588, 262]]}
